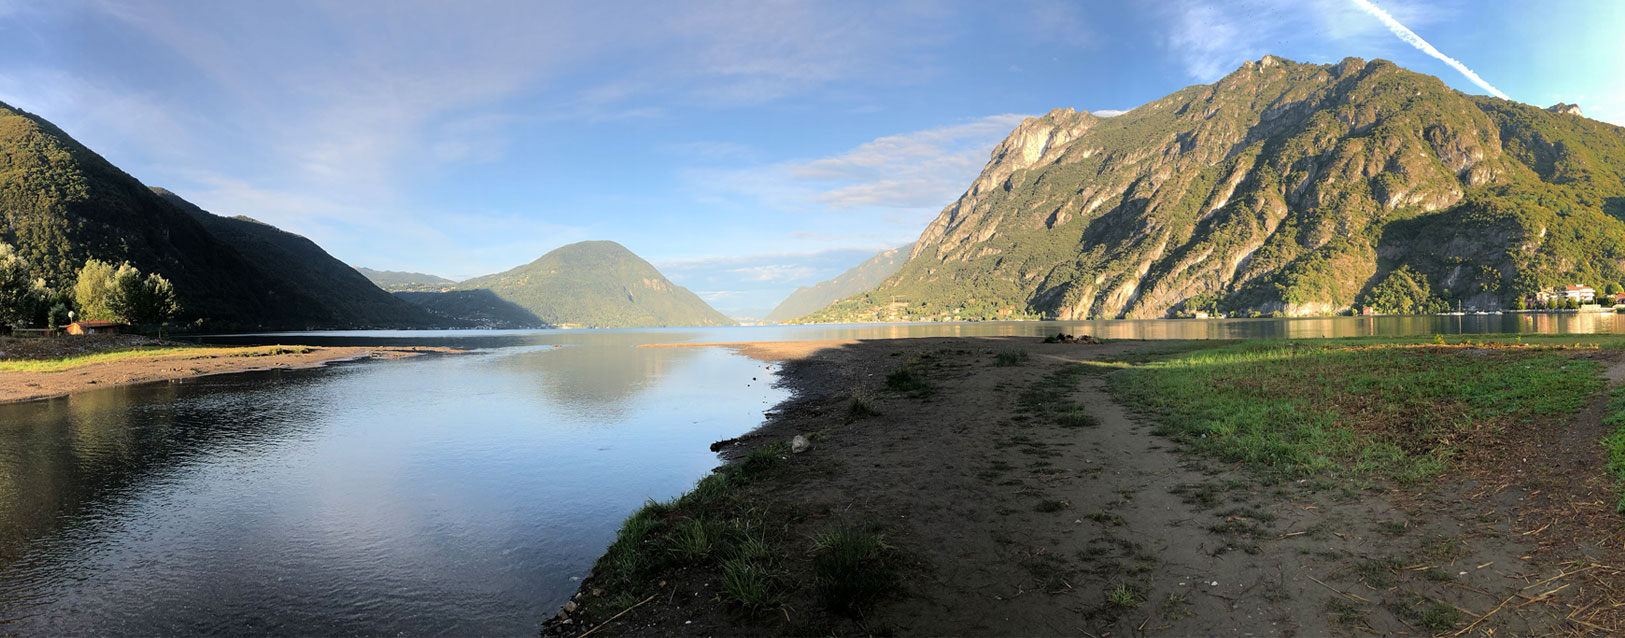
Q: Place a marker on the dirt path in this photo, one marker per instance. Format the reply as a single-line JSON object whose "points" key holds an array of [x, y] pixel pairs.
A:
{"points": [[1019, 517], [31, 385]]}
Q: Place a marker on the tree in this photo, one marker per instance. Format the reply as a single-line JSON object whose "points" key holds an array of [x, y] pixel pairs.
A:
{"points": [[20, 295], [158, 303], [92, 290], [1403, 292], [1520, 304], [121, 294]]}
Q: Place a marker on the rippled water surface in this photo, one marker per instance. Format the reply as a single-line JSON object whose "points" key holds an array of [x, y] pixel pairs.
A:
{"points": [[435, 495]]}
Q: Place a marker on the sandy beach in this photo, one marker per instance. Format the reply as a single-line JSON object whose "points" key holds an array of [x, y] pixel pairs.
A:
{"points": [[169, 362]]}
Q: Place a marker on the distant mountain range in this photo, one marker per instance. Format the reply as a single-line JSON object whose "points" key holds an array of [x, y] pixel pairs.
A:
{"points": [[397, 281], [1283, 188], [859, 278], [598, 284]]}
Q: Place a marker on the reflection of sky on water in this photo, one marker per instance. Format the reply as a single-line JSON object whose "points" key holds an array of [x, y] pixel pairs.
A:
{"points": [[431, 495]]}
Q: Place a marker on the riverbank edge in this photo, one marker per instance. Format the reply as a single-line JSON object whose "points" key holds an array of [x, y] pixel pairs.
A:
{"points": [[24, 386], [756, 454]]}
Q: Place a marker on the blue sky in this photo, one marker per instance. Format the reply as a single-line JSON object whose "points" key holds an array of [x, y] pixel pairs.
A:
{"points": [[745, 148]]}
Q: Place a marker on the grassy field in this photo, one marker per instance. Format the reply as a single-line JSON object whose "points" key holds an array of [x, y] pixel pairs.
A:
{"points": [[1361, 408], [1615, 444], [180, 352]]}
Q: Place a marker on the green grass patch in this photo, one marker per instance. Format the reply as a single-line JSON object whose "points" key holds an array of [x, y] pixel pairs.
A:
{"points": [[709, 525], [63, 363], [852, 567], [1124, 596], [136, 352], [1614, 444], [1377, 408]]}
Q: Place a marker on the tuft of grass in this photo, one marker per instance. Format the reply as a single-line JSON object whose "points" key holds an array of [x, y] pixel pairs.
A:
{"points": [[691, 541], [852, 568], [907, 380], [1439, 617], [749, 585], [1077, 418], [1345, 612], [1124, 596], [860, 408], [1009, 358]]}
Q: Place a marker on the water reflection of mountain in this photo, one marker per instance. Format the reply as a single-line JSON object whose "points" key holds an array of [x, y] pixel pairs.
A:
{"points": [[583, 378], [61, 458]]}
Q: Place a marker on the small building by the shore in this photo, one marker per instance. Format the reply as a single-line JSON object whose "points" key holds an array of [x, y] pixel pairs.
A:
{"points": [[1582, 294], [93, 328]]}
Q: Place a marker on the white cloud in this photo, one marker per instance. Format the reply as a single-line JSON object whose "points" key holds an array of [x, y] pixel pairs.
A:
{"points": [[1414, 40], [1108, 112], [919, 171]]}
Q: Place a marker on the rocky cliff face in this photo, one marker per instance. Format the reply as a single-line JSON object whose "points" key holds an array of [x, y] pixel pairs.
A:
{"points": [[1282, 188], [1566, 109]]}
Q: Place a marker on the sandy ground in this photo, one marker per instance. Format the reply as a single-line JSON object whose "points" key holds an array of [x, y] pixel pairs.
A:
{"points": [[26, 386], [966, 490]]}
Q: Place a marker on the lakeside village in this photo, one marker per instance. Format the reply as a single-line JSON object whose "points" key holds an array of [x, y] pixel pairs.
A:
{"points": [[1572, 298]]}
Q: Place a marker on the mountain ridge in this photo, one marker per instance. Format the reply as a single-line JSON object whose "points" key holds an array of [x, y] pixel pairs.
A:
{"points": [[1283, 188], [604, 285], [868, 274], [348, 298]]}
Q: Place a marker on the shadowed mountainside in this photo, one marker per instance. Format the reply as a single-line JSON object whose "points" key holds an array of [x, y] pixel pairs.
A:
{"points": [[855, 280]]}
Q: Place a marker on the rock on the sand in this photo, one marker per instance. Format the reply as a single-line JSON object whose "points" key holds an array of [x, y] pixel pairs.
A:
{"points": [[799, 444]]}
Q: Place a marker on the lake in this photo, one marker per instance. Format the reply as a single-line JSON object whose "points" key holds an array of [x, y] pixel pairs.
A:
{"points": [[458, 494]]}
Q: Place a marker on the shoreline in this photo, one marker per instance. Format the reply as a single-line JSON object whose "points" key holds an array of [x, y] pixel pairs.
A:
{"points": [[187, 362], [1011, 487]]}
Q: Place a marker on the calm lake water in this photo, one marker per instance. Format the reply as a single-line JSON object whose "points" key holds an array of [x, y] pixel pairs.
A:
{"points": [[432, 495]]}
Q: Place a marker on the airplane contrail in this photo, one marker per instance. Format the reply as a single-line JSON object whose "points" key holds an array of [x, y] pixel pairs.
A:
{"points": [[1414, 40]]}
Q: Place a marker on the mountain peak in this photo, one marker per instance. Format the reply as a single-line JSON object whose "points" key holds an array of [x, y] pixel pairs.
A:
{"points": [[1285, 188], [598, 284], [1566, 109]]}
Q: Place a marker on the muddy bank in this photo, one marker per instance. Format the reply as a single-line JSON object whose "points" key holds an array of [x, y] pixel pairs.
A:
{"points": [[168, 361], [1014, 496]]}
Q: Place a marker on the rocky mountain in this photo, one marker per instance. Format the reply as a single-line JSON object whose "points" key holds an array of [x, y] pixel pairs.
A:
{"points": [[598, 284], [1283, 188], [342, 296], [397, 281], [859, 278], [64, 204]]}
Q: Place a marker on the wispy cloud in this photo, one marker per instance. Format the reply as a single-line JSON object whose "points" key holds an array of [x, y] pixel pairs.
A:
{"points": [[918, 172], [1414, 40]]}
